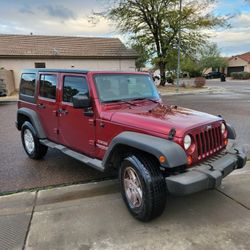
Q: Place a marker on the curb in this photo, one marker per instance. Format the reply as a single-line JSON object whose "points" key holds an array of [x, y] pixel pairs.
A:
{"points": [[207, 91], [7, 102], [62, 185], [8, 99]]}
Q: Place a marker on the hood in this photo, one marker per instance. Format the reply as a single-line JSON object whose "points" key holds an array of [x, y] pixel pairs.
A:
{"points": [[162, 118]]}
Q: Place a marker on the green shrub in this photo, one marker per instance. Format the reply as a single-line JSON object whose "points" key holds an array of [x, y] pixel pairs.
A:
{"points": [[240, 75], [195, 73]]}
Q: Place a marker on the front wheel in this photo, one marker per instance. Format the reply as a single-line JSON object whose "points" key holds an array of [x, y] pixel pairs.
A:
{"points": [[31, 144], [143, 187]]}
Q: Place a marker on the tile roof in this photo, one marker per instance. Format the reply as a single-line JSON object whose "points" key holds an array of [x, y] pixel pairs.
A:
{"points": [[63, 46], [245, 57]]}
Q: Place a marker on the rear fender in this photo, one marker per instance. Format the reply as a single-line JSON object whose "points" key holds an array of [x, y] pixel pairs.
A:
{"points": [[34, 119]]}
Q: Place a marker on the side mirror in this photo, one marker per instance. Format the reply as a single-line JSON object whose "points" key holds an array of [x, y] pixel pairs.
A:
{"points": [[81, 100]]}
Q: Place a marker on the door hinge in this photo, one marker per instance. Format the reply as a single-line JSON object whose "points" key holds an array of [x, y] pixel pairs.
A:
{"points": [[92, 122]]}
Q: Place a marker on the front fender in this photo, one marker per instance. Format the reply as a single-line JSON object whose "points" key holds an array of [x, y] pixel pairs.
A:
{"points": [[156, 146]]}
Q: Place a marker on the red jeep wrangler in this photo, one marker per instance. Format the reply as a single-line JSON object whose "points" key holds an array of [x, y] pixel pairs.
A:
{"points": [[117, 121]]}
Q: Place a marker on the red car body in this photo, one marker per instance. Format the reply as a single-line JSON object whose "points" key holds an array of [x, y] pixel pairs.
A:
{"points": [[116, 121], [86, 134]]}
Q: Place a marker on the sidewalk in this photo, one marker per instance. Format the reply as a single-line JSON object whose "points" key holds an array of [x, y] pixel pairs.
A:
{"points": [[172, 90], [93, 216]]}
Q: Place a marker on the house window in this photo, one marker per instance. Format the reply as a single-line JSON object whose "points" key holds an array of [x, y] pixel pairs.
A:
{"points": [[40, 65], [48, 86], [73, 85]]}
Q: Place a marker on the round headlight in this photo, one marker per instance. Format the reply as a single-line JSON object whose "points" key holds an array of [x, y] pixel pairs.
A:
{"points": [[223, 128], [187, 141]]}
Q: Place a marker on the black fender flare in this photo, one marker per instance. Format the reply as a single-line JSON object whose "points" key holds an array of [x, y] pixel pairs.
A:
{"points": [[231, 132], [32, 115], [173, 152]]}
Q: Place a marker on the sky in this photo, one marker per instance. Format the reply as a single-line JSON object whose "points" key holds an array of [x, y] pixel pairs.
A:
{"points": [[71, 18]]}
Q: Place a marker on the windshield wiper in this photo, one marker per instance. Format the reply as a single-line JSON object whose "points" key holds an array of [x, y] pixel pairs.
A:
{"points": [[145, 98], [121, 100]]}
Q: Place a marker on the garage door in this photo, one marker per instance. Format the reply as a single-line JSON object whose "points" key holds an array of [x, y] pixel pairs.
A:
{"points": [[234, 69]]}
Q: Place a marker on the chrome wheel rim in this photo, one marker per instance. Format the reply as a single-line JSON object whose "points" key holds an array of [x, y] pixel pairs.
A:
{"points": [[132, 187], [29, 141]]}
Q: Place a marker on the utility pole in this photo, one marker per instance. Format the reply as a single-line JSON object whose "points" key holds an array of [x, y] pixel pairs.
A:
{"points": [[179, 52]]}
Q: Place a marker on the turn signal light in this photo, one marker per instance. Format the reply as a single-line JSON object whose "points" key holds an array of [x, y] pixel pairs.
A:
{"points": [[226, 141], [189, 160], [162, 159]]}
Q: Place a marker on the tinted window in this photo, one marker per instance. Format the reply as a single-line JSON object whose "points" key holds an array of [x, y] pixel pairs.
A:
{"points": [[72, 85], [48, 86], [27, 86]]}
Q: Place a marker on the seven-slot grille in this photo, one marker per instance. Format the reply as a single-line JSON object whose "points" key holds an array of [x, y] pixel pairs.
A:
{"points": [[208, 142]]}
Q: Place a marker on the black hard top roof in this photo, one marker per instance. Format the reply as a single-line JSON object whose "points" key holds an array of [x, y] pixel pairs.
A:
{"points": [[79, 71]]}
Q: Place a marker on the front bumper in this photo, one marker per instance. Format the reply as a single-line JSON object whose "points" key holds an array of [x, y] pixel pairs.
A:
{"points": [[208, 174]]}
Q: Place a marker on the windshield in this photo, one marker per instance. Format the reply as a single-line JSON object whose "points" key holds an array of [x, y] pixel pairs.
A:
{"points": [[121, 87]]}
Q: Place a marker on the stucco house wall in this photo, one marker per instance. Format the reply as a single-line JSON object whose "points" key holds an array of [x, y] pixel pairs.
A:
{"points": [[236, 62], [17, 65], [18, 52], [242, 62]]}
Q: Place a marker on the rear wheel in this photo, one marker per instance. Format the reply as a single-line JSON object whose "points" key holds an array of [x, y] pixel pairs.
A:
{"points": [[143, 187], [30, 141]]}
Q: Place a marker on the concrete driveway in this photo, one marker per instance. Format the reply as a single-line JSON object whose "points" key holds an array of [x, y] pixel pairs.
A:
{"points": [[93, 216]]}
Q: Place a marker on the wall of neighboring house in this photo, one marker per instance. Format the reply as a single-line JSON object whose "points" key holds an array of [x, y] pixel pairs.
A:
{"points": [[237, 62], [89, 64], [7, 86], [247, 68], [206, 71]]}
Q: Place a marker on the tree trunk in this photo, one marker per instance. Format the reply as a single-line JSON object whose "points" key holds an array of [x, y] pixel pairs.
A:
{"points": [[162, 67]]}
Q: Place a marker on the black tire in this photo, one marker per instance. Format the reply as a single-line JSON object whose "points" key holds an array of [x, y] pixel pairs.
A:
{"points": [[152, 184], [39, 150]]}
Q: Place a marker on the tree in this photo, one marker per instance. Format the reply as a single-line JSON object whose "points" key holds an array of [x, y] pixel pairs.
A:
{"points": [[143, 55], [210, 58], [192, 66], [155, 25]]}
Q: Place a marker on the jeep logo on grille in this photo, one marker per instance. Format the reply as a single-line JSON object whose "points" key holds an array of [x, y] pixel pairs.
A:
{"points": [[208, 127]]}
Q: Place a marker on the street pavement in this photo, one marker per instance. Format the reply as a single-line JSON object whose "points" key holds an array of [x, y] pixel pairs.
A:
{"points": [[18, 172], [93, 216], [233, 105]]}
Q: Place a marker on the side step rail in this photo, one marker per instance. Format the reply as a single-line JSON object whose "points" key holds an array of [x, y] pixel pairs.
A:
{"points": [[95, 163]]}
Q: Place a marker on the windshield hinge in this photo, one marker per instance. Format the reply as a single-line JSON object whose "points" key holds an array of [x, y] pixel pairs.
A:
{"points": [[171, 134]]}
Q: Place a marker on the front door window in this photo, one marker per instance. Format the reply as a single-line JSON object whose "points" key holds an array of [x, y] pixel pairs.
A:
{"points": [[72, 85]]}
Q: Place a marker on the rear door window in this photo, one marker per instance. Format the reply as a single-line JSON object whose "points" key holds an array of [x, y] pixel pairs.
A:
{"points": [[47, 87], [28, 83]]}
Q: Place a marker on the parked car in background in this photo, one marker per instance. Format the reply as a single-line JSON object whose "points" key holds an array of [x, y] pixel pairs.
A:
{"points": [[213, 75]]}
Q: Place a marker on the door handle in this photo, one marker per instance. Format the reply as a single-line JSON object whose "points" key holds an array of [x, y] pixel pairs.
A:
{"points": [[41, 106], [63, 111]]}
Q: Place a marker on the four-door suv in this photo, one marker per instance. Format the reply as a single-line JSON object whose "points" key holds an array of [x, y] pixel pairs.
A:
{"points": [[117, 121]]}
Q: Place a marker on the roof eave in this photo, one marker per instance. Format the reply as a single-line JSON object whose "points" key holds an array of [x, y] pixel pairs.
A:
{"points": [[66, 57]]}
